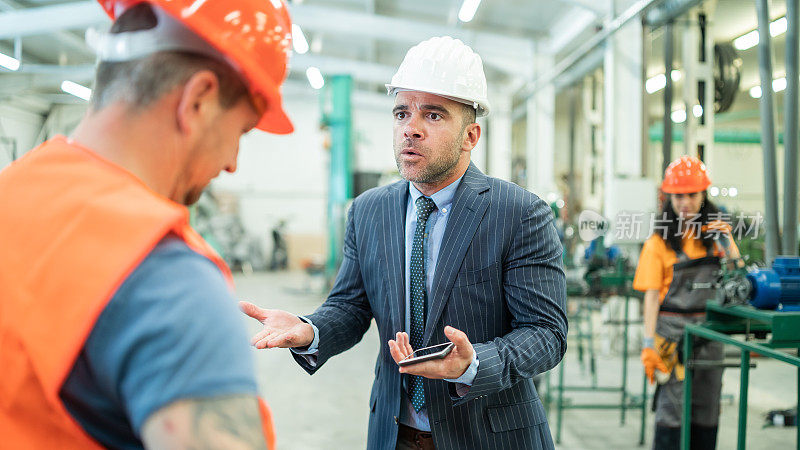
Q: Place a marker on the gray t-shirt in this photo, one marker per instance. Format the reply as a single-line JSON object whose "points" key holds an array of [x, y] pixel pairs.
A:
{"points": [[172, 331]]}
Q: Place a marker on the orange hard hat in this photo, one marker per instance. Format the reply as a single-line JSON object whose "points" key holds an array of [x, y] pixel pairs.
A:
{"points": [[685, 175], [253, 35]]}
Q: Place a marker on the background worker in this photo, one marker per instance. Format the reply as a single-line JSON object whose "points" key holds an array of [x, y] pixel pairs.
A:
{"points": [[118, 326], [447, 254], [676, 270]]}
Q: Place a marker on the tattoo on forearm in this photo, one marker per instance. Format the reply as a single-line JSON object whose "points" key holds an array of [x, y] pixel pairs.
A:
{"points": [[218, 423], [215, 423]]}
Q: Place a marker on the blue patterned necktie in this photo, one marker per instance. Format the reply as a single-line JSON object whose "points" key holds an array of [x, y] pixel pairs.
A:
{"points": [[419, 294]]}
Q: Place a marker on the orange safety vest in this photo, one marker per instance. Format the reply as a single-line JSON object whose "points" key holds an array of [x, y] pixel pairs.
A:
{"points": [[73, 226]]}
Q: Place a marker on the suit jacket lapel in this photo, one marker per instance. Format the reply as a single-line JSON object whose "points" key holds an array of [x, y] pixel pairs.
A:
{"points": [[468, 209], [394, 251]]}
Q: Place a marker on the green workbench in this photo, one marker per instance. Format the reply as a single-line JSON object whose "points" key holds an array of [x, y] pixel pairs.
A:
{"points": [[609, 283], [776, 330]]}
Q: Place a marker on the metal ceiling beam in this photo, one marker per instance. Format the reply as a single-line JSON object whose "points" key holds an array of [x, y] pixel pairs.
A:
{"points": [[45, 75], [82, 71], [360, 70], [609, 28], [569, 28], [73, 42], [49, 19], [587, 5], [509, 54], [668, 11]]}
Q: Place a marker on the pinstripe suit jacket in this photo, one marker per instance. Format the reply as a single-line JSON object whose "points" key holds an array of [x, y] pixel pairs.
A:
{"points": [[499, 279]]}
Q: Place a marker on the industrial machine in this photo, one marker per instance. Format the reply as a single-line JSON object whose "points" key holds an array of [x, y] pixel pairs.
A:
{"points": [[776, 288]]}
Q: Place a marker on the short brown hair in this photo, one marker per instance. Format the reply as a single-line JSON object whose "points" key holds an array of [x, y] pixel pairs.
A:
{"points": [[142, 81], [470, 115]]}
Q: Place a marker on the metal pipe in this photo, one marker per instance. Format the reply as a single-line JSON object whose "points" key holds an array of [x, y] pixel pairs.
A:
{"points": [[668, 11], [767, 108], [666, 149], [790, 130], [612, 27], [573, 113], [744, 382]]}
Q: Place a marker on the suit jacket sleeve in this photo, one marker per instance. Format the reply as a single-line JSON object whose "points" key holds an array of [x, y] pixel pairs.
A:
{"points": [[345, 316], [534, 287]]}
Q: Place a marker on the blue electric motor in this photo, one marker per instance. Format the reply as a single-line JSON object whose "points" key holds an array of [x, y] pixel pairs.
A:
{"points": [[779, 287]]}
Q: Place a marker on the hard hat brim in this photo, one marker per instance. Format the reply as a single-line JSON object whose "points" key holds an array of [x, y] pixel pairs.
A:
{"points": [[481, 111], [275, 121]]}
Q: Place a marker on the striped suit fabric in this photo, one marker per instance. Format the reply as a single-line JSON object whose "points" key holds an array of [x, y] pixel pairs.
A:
{"points": [[499, 278]]}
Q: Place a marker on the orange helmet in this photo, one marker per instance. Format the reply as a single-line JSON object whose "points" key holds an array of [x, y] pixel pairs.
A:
{"points": [[254, 36], [685, 175]]}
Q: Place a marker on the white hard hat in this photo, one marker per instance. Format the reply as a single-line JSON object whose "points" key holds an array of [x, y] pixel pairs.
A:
{"points": [[446, 67]]}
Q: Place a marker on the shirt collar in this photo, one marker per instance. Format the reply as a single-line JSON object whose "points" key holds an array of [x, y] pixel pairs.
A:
{"points": [[443, 198]]}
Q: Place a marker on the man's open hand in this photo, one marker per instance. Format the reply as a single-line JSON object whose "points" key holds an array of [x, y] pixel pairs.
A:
{"points": [[281, 329]]}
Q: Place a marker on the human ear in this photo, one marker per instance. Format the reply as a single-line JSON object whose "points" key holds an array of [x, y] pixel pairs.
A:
{"points": [[198, 102]]}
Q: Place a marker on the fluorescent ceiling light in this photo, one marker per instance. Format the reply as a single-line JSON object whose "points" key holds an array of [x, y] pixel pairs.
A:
{"points": [[778, 85], [656, 83], [76, 89], [678, 116], [299, 39], [468, 9], [778, 27], [315, 78], [746, 41], [750, 40], [9, 62]]}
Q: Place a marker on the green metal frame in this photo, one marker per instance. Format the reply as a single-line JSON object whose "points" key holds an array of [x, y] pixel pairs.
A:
{"points": [[627, 401], [721, 322], [335, 102], [724, 136]]}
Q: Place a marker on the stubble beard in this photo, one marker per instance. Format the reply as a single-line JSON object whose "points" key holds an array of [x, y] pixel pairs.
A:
{"points": [[436, 171]]}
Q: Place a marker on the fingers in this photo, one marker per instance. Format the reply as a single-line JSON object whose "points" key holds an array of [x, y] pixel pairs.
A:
{"points": [[264, 338], [252, 310], [457, 337], [394, 350], [280, 340], [650, 372], [405, 343], [436, 369], [258, 337]]}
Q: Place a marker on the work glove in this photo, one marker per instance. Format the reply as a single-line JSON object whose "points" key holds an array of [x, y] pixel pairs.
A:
{"points": [[651, 361]]}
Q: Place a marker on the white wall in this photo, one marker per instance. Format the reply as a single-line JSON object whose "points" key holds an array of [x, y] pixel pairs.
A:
{"points": [[20, 126], [286, 177]]}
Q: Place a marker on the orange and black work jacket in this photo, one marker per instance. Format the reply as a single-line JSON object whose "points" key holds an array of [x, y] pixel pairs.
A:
{"points": [[72, 228]]}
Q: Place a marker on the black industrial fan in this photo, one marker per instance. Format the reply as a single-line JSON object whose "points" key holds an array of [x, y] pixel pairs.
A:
{"points": [[727, 74]]}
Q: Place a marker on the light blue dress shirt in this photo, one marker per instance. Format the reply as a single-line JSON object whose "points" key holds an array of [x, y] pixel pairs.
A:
{"points": [[434, 229]]}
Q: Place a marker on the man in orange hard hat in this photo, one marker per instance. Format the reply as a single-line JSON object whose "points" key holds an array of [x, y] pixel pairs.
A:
{"points": [[100, 269]]}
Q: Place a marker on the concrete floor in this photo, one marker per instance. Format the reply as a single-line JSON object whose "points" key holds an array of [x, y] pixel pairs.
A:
{"points": [[329, 410]]}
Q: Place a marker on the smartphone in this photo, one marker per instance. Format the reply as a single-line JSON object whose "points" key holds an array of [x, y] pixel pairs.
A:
{"points": [[447, 348]]}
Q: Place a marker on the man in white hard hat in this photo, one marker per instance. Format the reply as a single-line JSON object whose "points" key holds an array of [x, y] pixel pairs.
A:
{"points": [[447, 255]]}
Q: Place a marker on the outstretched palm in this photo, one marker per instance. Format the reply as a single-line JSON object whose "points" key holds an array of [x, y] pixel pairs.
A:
{"points": [[281, 328]]}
